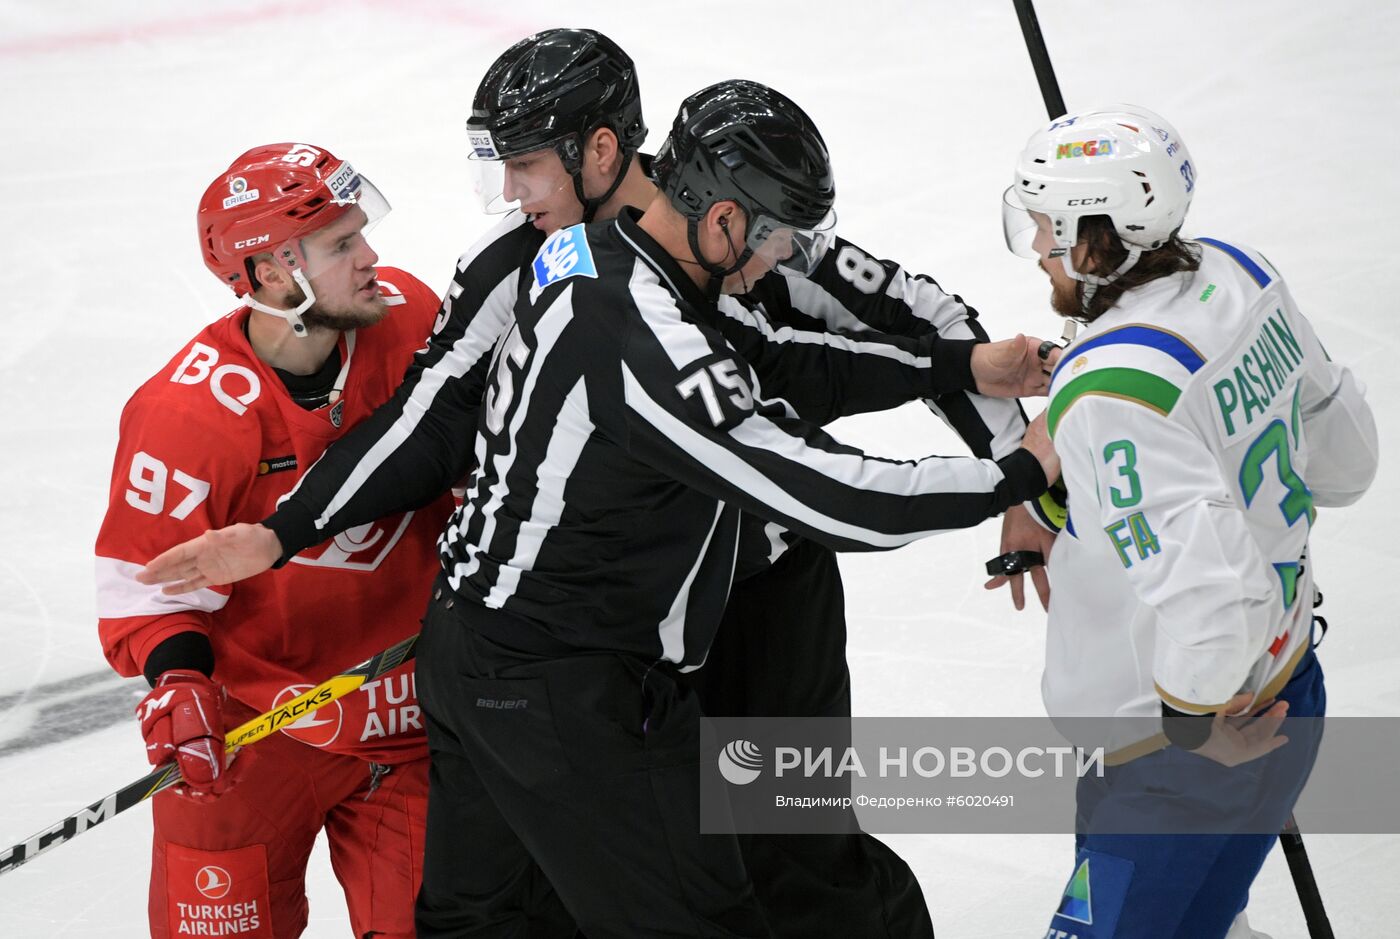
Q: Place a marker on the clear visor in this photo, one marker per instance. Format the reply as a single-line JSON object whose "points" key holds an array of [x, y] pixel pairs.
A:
{"points": [[791, 250], [527, 179], [357, 206], [489, 185], [1017, 225]]}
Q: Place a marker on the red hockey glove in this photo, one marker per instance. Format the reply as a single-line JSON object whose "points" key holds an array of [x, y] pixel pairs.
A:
{"points": [[182, 719]]}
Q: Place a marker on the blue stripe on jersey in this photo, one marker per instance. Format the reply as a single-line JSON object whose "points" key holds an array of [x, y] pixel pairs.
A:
{"points": [[1243, 260], [1170, 343]]}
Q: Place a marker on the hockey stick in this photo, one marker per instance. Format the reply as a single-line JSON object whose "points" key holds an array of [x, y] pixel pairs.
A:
{"points": [[163, 777], [1040, 58], [1054, 103], [1319, 927]]}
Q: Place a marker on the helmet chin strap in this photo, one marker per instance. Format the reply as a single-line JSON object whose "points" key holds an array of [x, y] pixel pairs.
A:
{"points": [[591, 206], [717, 272], [293, 317], [1092, 282]]}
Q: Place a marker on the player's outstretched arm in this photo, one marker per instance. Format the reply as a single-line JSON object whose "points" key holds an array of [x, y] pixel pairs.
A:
{"points": [[221, 556], [1021, 532]]}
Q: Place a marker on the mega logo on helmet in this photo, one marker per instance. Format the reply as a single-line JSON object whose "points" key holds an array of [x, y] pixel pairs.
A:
{"points": [[1087, 148]]}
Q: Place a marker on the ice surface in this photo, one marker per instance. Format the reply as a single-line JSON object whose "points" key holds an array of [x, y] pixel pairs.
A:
{"points": [[116, 116]]}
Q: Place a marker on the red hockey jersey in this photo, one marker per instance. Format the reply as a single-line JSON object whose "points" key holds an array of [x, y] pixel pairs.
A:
{"points": [[213, 438]]}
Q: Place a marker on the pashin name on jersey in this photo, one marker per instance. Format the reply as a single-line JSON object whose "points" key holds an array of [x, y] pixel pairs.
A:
{"points": [[1259, 374]]}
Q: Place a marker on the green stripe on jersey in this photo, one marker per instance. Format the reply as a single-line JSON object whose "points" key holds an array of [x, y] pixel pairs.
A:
{"points": [[1127, 384]]}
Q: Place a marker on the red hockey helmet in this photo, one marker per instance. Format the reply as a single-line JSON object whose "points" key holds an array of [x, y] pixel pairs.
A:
{"points": [[267, 200]]}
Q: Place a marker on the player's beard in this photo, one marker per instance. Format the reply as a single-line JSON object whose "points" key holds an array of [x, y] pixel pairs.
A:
{"points": [[342, 319], [339, 318], [1064, 299]]}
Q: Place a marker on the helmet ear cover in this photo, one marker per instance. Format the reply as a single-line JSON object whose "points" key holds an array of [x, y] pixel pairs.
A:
{"points": [[289, 256], [250, 264]]}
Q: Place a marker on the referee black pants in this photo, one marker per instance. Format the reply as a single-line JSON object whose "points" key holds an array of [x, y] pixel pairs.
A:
{"points": [[586, 765], [781, 652]]}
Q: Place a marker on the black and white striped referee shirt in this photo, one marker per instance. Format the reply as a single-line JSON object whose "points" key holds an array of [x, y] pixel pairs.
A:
{"points": [[620, 437]]}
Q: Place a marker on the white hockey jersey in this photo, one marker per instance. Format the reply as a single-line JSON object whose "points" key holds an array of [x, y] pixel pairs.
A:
{"points": [[1200, 424]]}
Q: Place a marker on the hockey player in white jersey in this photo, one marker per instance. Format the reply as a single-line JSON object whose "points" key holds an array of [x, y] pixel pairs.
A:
{"points": [[1201, 426]]}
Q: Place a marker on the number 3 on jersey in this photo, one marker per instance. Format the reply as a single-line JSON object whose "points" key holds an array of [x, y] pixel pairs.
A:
{"points": [[1128, 471]]}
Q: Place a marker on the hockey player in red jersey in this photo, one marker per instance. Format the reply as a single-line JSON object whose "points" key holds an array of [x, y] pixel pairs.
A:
{"points": [[220, 434]]}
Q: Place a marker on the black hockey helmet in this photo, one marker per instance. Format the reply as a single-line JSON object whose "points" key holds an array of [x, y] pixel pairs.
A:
{"points": [[743, 141], [554, 89]]}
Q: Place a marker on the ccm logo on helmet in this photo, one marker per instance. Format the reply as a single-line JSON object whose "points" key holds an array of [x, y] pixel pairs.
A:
{"points": [[259, 240], [1100, 200]]}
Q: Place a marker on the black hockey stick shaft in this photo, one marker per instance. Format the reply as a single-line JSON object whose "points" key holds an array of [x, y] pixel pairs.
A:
{"points": [[1040, 58], [163, 777], [1319, 927]]}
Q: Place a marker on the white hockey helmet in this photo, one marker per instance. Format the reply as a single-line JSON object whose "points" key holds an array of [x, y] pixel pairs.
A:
{"points": [[1122, 161]]}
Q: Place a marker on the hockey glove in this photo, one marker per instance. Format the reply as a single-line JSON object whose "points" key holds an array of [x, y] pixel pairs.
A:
{"points": [[182, 719]]}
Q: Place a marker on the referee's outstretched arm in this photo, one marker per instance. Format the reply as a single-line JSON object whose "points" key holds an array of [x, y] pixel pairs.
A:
{"points": [[826, 375], [759, 456], [422, 440], [855, 294]]}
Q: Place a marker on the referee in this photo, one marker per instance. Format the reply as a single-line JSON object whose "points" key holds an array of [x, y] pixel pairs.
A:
{"points": [[620, 438]]}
